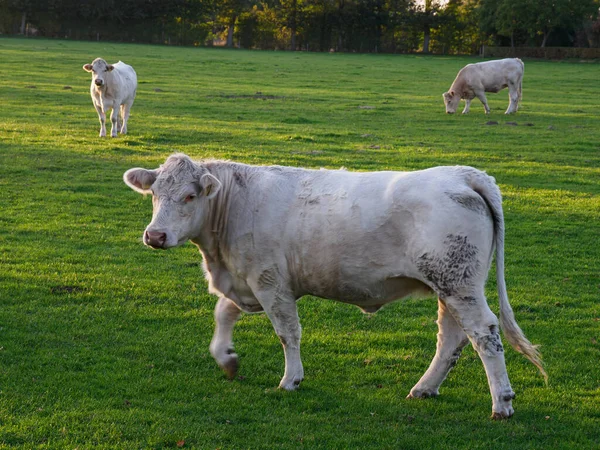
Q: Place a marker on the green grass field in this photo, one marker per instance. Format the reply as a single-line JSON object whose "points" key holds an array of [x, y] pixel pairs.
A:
{"points": [[104, 342]]}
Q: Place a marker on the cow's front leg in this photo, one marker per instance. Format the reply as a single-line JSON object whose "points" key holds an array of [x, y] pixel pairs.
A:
{"points": [[221, 346], [283, 313], [451, 340], [113, 119], [481, 96], [467, 106], [102, 119]]}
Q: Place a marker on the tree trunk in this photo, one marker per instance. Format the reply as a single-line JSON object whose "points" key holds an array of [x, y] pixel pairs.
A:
{"points": [[340, 44], [426, 38], [426, 26], [23, 22], [545, 39], [293, 40], [293, 24], [230, 31]]}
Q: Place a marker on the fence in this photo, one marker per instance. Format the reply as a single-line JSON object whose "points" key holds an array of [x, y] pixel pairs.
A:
{"points": [[541, 52]]}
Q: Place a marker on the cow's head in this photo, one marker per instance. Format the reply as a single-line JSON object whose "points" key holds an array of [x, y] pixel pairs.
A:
{"points": [[99, 69], [181, 190], [451, 100]]}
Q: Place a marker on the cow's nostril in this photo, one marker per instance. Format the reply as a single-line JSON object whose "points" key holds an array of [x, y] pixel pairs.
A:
{"points": [[156, 238]]}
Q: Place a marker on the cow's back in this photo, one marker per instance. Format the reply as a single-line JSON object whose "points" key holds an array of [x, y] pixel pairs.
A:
{"points": [[491, 76], [125, 78]]}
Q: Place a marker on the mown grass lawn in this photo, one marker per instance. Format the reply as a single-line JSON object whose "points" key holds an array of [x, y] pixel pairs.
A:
{"points": [[104, 342]]}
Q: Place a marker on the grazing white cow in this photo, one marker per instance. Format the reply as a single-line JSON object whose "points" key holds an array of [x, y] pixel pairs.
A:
{"points": [[113, 86], [474, 80], [270, 235]]}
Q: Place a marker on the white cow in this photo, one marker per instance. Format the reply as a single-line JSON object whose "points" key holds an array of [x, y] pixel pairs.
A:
{"points": [[270, 235], [474, 80], [113, 86]]}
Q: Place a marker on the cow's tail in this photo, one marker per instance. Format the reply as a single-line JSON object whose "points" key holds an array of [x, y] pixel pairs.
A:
{"points": [[486, 187]]}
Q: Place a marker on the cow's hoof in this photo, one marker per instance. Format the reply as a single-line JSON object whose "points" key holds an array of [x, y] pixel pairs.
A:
{"points": [[230, 367], [290, 385], [502, 414], [422, 393]]}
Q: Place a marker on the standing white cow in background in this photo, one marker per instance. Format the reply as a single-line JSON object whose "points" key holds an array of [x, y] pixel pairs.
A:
{"points": [[113, 86], [474, 80], [270, 235]]}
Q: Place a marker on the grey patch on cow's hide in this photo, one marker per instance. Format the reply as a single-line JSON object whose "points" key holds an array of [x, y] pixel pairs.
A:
{"points": [[267, 278], [452, 269], [509, 396], [239, 179], [471, 202], [455, 355], [490, 344], [469, 300]]}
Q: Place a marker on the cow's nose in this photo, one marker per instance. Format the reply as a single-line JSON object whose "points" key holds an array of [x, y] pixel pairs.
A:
{"points": [[155, 239], [98, 82], [449, 112]]}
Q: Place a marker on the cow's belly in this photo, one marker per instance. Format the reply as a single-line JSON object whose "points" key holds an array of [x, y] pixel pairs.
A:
{"points": [[372, 295], [495, 88]]}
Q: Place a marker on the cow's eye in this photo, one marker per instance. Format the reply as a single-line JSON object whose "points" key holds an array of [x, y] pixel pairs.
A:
{"points": [[189, 198]]}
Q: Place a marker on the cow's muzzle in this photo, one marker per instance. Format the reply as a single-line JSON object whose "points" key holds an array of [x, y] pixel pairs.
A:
{"points": [[155, 239], [449, 112], [99, 82]]}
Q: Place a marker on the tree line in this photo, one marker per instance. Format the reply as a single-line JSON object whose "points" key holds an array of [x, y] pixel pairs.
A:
{"points": [[394, 26]]}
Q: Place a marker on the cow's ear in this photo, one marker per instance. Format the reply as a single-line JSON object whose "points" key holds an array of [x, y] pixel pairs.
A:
{"points": [[140, 180], [210, 185], [451, 93], [110, 67], [87, 67]]}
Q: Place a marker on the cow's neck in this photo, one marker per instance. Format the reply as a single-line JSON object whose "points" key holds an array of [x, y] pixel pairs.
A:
{"points": [[213, 236], [459, 87]]}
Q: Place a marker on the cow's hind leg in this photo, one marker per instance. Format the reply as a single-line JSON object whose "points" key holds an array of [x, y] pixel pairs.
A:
{"points": [[125, 108], [221, 346], [481, 326], [514, 97], [451, 340], [119, 119]]}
